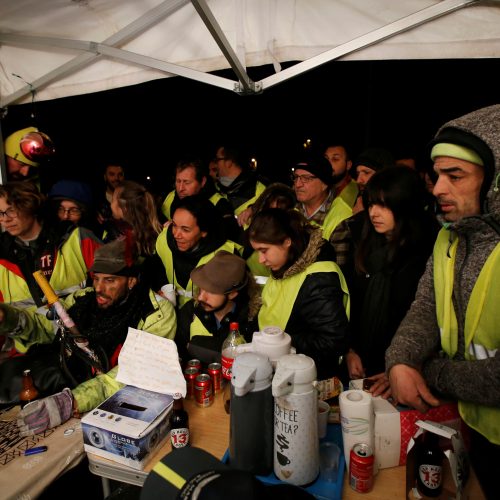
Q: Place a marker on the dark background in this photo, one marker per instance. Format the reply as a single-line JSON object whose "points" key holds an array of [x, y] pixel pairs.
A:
{"points": [[148, 127]]}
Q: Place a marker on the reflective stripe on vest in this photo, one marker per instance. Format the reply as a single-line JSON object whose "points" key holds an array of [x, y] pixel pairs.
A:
{"points": [[482, 318], [279, 295]]}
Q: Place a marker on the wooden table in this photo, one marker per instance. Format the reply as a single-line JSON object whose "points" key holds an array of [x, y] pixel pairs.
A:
{"points": [[27, 476], [209, 429]]}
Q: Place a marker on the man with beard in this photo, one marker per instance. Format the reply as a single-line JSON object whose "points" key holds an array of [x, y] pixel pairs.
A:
{"points": [[103, 315], [113, 175], [225, 291], [313, 183]]}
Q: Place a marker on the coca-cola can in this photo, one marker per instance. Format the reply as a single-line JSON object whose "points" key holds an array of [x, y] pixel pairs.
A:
{"points": [[203, 394], [215, 372], [190, 375], [194, 363], [361, 468]]}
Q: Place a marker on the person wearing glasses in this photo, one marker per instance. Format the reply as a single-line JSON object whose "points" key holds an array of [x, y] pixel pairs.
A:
{"points": [[28, 243], [313, 182], [73, 201]]}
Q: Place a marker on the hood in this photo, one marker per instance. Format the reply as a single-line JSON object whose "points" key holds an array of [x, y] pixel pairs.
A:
{"points": [[310, 254], [481, 130]]}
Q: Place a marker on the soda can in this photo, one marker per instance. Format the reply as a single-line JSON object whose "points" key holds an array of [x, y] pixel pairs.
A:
{"points": [[194, 363], [215, 372], [361, 468], [190, 375], [203, 394]]}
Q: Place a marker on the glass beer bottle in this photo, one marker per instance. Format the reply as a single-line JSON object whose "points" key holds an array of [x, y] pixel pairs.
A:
{"points": [[430, 466], [29, 392], [179, 425]]}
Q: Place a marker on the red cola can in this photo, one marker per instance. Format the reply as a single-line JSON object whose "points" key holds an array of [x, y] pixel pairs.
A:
{"points": [[215, 372], [194, 363], [203, 394], [361, 468], [190, 375]]}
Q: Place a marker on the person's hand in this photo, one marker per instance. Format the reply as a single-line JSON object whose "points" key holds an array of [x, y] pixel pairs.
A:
{"points": [[45, 413], [245, 216], [409, 388], [380, 386], [354, 365]]}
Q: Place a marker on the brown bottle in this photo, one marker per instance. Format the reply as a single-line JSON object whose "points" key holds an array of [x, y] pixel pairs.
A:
{"points": [[29, 392], [430, 466], [179, 425]]}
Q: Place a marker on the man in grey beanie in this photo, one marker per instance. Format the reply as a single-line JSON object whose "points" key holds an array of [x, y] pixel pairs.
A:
{"points": [[447, 345]]}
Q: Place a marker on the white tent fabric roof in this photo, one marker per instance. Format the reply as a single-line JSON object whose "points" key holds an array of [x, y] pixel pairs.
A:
{"points": [[59, 48]]}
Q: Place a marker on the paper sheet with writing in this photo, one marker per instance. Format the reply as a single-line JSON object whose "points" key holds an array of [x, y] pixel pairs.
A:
{"points": [[150, 362]]}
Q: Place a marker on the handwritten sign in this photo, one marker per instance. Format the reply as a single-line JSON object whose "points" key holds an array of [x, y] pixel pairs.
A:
{"points": [[150, 362]]}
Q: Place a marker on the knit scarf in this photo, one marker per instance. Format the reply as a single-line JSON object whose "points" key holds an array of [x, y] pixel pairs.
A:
{"points": [[109, 327]]}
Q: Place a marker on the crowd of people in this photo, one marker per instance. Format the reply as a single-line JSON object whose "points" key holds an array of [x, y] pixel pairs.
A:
{"points": [[371, 271]]}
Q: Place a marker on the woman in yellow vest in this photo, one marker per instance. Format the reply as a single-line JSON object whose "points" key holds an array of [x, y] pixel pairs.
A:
{"points": [[193, 237], [306, 295]]}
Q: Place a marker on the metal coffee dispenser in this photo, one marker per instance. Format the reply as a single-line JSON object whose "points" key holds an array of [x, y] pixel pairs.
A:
{"points": [[251, 419], [296, 444]]}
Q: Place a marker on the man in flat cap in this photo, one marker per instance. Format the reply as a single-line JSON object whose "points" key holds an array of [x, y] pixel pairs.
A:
{"points": [[102, 314], [447, 347], [225, 292]]}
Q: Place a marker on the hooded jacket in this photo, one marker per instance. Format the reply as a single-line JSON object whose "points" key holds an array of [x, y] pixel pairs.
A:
{"points": [[417, 342], [318, 323]]}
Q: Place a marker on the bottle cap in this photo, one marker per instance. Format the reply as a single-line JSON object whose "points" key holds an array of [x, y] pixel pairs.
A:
{"points": [[234, 326]]}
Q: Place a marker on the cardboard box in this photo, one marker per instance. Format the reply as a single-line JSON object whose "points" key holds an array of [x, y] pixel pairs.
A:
{"points": [[456, 469], [395, 426], [129, 426]]}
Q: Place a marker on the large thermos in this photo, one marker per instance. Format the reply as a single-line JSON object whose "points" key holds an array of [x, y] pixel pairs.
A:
{"points": [[296, 444], [251, 419]]}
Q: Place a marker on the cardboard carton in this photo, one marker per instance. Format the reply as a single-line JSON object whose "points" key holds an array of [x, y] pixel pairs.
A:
{"points": [[394, 426], [129, 426], [459, 480]]}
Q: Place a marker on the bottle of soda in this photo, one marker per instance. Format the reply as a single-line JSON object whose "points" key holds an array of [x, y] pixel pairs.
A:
{"points": [[29, 392], [430, 466], [179, 424], [233, 340]]}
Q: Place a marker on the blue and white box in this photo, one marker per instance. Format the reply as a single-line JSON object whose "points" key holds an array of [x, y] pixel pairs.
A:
{"points": [[129, 426]]}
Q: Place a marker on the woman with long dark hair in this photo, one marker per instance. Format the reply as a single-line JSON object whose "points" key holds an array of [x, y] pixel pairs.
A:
{"points": [[306, 295], [396, 239]]}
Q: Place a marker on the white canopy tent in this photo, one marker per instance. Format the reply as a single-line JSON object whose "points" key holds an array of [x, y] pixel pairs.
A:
{"points": [[59, 48]]}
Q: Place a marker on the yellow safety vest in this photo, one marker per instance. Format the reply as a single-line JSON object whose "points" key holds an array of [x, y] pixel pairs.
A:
{"points": [[279, 295], [482, 319], [338, 212], [167, 203], [166, 256], [260, 272], [350, 193], [259, 188], [198, 328]]}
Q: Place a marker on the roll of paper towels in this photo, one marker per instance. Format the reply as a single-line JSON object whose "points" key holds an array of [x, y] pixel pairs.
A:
{"points": [[357, 419]]}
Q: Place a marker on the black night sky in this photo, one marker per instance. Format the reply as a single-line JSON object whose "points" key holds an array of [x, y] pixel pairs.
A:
{"points": [[148, 127]]}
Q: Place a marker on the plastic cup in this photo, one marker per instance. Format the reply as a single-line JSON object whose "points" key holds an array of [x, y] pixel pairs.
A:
{"points": [[323, 413], [329, 456]]}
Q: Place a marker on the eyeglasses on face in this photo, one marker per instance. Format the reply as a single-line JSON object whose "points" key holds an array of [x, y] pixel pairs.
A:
{"points": [[69, 211], [11, 213], [305, 179]]}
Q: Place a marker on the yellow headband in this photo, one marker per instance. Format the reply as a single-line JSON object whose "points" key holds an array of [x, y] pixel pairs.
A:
{"points": [[455, 151]]}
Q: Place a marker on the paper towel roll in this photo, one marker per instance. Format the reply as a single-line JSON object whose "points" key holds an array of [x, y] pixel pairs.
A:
{"points": [[357, 419]]}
